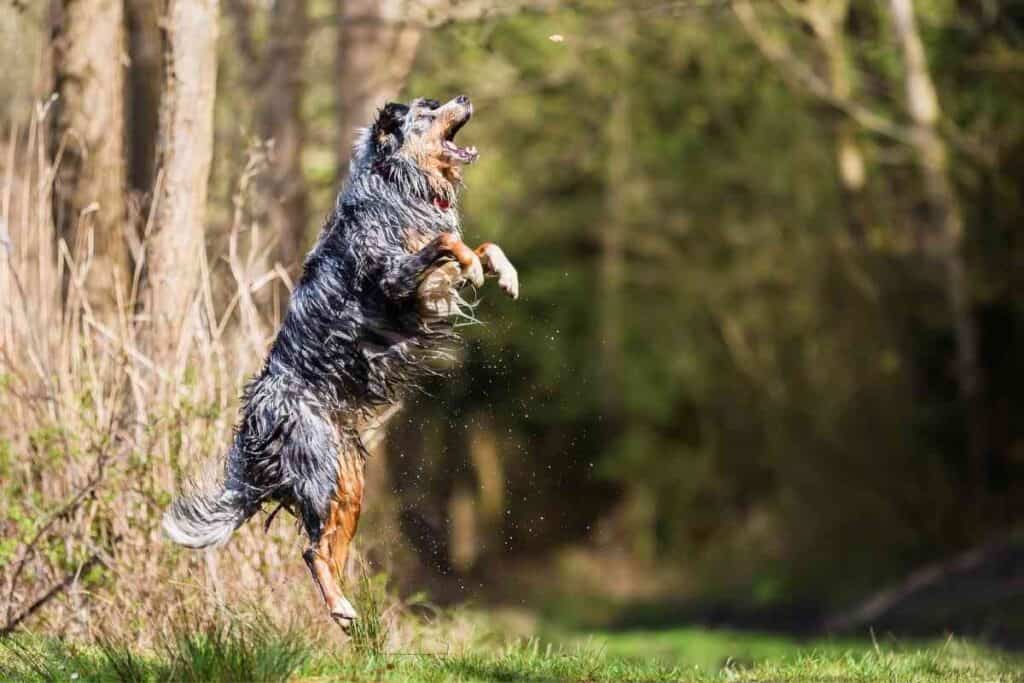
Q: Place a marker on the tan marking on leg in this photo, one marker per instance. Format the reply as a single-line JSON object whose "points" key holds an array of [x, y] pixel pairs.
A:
{"points": [[322, 576], [472, 268], [327, 558], [345, 512], [463, 254]]}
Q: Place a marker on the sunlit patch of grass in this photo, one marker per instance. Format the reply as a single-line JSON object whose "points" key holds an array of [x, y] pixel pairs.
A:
{"points": [[527, 660], [709, 654], [530, 660], [122, 662], [25, 658], [370, 633], [254, 649], [646, 657], [234, 650], [950, 663], [224, 649]]}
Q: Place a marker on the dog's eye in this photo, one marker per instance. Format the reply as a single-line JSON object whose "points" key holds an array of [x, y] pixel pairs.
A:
{"points": [[426, 115]]}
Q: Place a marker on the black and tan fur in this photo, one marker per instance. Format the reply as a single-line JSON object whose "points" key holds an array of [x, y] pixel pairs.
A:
{"points": [[370, 312]]}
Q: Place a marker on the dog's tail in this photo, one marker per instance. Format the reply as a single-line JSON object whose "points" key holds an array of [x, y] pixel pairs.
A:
{"points": [[203, 518]]}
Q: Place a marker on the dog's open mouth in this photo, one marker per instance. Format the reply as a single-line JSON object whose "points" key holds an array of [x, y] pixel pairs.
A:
{"points": [[465, 155]]}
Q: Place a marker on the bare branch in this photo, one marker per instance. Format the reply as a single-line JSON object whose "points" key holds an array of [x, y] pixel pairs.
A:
{"points": [[62, 512], [885, 600], [54, 591], [798, 75]]}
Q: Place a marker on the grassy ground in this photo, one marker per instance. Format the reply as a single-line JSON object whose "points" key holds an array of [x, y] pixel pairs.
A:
{"points": [[261, 652]]}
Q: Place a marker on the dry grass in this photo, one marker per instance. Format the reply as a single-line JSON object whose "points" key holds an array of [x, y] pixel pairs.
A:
{"points": [[100, 424]]}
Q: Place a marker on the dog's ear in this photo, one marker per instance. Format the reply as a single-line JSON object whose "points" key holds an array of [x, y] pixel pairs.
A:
{"points": [[387, 129]]}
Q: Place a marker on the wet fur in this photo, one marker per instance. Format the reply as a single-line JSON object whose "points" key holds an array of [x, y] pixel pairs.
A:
{"points": [[352, 343]]}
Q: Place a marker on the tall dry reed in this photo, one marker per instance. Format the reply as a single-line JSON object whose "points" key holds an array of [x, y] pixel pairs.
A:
{"points": [[99, 423]]}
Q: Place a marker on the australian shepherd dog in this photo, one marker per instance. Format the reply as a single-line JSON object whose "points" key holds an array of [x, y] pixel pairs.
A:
{"points": [[369, 316]]}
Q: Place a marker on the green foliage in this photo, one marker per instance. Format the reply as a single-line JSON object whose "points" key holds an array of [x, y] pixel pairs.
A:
{"points": [[778, 387]]}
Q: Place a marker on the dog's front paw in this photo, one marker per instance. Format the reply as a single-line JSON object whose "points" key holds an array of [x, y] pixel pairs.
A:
{"points": [[474, 271], [508, 280], [500, 266]]}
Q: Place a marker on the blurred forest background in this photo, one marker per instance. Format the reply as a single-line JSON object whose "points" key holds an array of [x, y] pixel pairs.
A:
{"points": [[766, 361]]}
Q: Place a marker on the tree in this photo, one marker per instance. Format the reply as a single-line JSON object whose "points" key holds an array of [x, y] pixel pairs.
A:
{"points": [[272, 69], [942, 219], [142, 105], [945, 225], [281, 121], [377, 45], [826, 20], [90, 185], [375, 53], [185, 149]]}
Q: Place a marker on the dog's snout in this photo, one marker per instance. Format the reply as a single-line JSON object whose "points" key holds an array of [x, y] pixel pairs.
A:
{"points": [[462, 99]]}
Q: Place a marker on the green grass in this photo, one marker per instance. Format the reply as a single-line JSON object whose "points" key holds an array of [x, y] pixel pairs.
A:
{"points": [[237, 650], [721, 655], [258, 651], [711, 649]]}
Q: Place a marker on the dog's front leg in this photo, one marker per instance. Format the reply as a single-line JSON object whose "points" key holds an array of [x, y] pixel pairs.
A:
{"points": [[403, 276], [495, 263]]}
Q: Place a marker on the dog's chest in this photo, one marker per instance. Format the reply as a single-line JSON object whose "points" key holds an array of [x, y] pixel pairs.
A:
{"points": [[437, 294], [417, 238]]}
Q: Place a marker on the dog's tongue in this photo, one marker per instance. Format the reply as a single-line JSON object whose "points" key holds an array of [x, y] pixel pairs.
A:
{"points": [[466, 155]]}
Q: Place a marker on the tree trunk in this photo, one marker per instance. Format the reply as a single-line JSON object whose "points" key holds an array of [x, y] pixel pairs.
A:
{"points": [[185, 149], [945, 229], [90, 189], [619, 198], [143, 106], [376, 49], [612, 266], [826, 18], [375, 53], [281, 120]]}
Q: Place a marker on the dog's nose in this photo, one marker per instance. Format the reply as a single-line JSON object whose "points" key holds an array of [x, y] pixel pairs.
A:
{"points": [[462, 99]]}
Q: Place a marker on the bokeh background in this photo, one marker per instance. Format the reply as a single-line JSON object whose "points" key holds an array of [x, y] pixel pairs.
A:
{"points": [[766, 362]]}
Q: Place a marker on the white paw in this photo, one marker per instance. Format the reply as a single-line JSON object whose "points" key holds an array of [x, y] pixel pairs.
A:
{"points": [[344, 613], [508, 278], [345, 624], [474, 272]]}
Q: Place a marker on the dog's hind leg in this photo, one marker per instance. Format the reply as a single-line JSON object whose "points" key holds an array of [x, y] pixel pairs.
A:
{"points": [[328, 552], [343, 523]]}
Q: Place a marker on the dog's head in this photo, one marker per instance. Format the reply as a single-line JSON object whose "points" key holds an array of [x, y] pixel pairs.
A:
{"points": [[420, 135]]}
